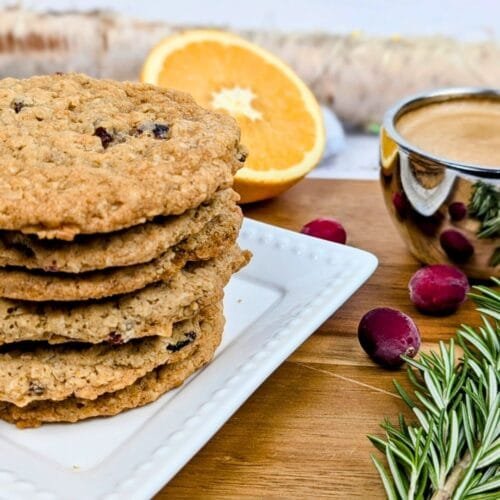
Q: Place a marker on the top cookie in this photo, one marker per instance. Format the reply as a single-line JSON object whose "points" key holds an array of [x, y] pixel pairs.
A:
{"points": [[81, 155]]}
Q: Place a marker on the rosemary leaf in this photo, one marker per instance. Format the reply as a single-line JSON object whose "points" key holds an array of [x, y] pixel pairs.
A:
{"points": [[386, 480], [452, 451], [485, 206]]}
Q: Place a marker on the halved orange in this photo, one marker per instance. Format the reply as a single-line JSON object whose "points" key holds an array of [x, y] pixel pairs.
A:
{"points": [[280, 119]]}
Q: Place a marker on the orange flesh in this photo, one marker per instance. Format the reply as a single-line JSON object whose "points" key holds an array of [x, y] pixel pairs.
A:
{"points": [[286, 130]]}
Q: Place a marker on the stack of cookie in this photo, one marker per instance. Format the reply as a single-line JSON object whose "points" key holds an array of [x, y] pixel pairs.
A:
{"points": [[118, 230]]}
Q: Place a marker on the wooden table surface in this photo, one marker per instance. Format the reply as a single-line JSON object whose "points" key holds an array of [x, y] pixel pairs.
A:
{"points": [[303, 432]]}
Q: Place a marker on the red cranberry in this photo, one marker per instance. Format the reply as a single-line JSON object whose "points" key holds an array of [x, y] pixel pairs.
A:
{"points": [[386, 334], [104, 135], [115, 338], [400, 203], [456, 245], [430, 224], [438, 288], [326, 229], [190, 337], [457, 210], [160, 131]]}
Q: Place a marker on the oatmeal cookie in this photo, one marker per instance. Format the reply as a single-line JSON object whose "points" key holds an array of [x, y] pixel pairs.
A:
{"points": [[122, 318], [127, 247], [145, 390], [218, 235], [33, 371], [81, 155]]}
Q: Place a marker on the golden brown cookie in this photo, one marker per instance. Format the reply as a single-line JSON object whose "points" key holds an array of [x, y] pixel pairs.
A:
{"points": [[90, 156], [218, 234], [33, 371], [145, 390], [134, 245], [126, 317]]}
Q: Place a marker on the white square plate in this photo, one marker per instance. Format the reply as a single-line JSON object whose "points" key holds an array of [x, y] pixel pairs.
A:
{"points": [[292, 285]]}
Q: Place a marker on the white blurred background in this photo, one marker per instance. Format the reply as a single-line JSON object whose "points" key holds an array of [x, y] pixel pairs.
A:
{"points": [[467, 19], [355, 156]]}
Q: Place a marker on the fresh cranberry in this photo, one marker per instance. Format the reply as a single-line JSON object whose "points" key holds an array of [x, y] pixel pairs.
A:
{"points": [[400, 203], [456, 245], [386, 334], [457, 210], [428, 224], [326, 229], [438, 288]]}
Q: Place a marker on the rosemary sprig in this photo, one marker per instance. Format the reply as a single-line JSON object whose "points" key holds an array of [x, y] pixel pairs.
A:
{"points": [[487, 299], [452, 451], [485, 205]]}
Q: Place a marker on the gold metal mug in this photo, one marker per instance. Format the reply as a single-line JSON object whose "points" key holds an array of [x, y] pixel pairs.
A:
{"points": [[446, 211]]}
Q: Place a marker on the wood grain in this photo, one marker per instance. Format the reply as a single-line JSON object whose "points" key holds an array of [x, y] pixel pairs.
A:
{"points": [[303, 432]]}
